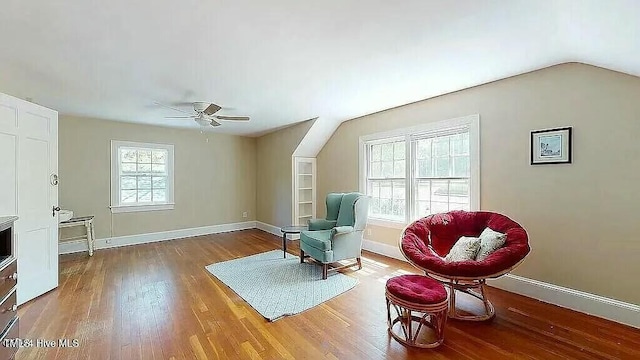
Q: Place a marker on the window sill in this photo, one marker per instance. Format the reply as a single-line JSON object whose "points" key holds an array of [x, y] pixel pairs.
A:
{"points": [[387, 223], [136, 208]]}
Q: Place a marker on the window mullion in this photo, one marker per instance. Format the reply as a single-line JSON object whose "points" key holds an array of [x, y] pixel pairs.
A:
{"points": [[448, 195], [392, 198], [430, 195], [408, 182], [368, 159], [118, 163]]}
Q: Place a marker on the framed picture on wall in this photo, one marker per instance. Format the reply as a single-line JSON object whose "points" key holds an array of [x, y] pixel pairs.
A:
{"points": [[551, 146]]}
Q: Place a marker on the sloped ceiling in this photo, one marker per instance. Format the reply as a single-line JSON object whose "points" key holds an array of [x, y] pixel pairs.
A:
{"points": [[284, 61]]}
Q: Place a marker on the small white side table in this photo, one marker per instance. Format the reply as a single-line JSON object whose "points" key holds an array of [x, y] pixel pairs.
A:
{"points": [[87, 222]]}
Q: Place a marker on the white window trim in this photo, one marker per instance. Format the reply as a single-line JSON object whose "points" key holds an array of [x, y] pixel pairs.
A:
{"points": [[471, 121], [115, 206]]}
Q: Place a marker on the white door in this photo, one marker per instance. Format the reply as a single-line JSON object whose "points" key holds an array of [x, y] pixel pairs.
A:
{"points": [[29, 149]]}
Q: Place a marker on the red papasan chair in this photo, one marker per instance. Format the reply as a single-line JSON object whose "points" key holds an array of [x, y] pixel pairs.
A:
{"points": [[427, 241]]}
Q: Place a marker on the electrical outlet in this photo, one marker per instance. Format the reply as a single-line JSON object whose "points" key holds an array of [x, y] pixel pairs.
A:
{"points": [[244, 214]]}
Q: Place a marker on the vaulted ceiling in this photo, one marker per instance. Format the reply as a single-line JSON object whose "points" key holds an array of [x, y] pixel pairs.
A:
{"points": [[284, 61]]}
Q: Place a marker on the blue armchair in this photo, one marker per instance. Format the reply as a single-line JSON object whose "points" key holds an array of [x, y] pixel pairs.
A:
{"points": [[339, 236]]}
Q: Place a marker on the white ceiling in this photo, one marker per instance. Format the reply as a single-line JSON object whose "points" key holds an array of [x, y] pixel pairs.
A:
{"points": [[284, 61]]}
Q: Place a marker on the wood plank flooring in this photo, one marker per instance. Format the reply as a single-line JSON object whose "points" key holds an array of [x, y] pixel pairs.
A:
{"points": [[156, 301]]}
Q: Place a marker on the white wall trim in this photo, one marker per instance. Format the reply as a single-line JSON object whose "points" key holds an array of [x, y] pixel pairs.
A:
{"points": [[387, 223], [275, 230], [136, 208], [81, 245], [383, 249], [596, 305], [271, 229]]}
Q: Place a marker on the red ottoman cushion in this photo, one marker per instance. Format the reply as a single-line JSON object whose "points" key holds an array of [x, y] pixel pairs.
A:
{"points": [[417, 289]]}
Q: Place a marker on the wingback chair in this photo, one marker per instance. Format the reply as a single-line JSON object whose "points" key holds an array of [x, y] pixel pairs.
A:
{"points": [[339, 236]]}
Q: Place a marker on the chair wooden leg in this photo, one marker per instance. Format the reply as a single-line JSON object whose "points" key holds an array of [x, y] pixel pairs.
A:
{"points": [[359, 263], [301, 256], [452, 301], [325, 270], [475, 290]]}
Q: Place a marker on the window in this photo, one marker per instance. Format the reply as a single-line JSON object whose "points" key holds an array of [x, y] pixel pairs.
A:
{"points": [[411, 173], [386, 179], [141, 176]]}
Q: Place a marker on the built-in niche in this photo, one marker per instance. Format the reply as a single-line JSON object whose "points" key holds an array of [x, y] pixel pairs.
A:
{"points": [[6, 242]]}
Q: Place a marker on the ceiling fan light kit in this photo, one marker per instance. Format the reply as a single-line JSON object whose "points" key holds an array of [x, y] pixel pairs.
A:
{"points": [[199, 106], [202, 121]]}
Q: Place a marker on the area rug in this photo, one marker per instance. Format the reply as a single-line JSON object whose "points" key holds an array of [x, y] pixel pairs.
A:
{"points": [[277, 287]]}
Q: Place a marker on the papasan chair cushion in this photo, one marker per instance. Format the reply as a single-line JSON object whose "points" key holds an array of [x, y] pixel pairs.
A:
{"points": [[427, 241]]}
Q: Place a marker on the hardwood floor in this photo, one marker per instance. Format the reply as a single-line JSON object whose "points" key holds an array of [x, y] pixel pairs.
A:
{"points": [[156, 301]]}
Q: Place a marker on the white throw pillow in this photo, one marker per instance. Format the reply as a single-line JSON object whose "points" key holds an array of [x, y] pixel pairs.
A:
{"points": [[490, 241], [464, 249]]}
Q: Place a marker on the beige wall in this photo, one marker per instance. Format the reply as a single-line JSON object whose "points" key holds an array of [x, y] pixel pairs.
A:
{"points": [[215, 176], [274, 168], [582, 218]]}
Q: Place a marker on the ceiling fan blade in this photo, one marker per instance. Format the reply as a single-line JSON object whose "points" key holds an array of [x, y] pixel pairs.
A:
{"points": [[179, 117], [233, 118], [171, 107], [215, 123], [212, 109], [183, 104]]}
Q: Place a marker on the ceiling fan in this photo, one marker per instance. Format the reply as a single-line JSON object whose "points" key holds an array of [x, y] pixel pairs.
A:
{"points": [[204, 114]]}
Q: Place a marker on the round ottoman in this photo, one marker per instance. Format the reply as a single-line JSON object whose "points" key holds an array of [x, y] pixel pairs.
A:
{"points": [[420, 305]]}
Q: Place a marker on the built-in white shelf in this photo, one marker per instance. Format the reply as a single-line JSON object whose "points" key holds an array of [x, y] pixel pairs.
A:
{"points": [[304, 189]]}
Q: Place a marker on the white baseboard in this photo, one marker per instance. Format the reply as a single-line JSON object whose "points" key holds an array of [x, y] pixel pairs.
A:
{"points": [[271, 229], [383, 249], [596, 305], [275, 230], [81, 245]]}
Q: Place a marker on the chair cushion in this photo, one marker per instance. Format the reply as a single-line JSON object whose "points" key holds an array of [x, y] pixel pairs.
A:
{"points": [[333, 205], [446, 228], [321, 224], [490, 241], [320, 239], [417, 289], [346, 216], [466, 248], [416, 247]]}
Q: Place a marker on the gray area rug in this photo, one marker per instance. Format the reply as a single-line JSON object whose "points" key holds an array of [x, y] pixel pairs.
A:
{"points": [[277, 287]]}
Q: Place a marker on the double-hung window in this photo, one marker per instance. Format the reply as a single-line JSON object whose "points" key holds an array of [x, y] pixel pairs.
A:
{"points": [[386, 178], [414, 172], [141, 176]]}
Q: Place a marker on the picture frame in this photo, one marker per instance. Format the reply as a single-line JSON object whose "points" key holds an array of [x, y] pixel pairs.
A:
{"points": [[551, 146]]}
